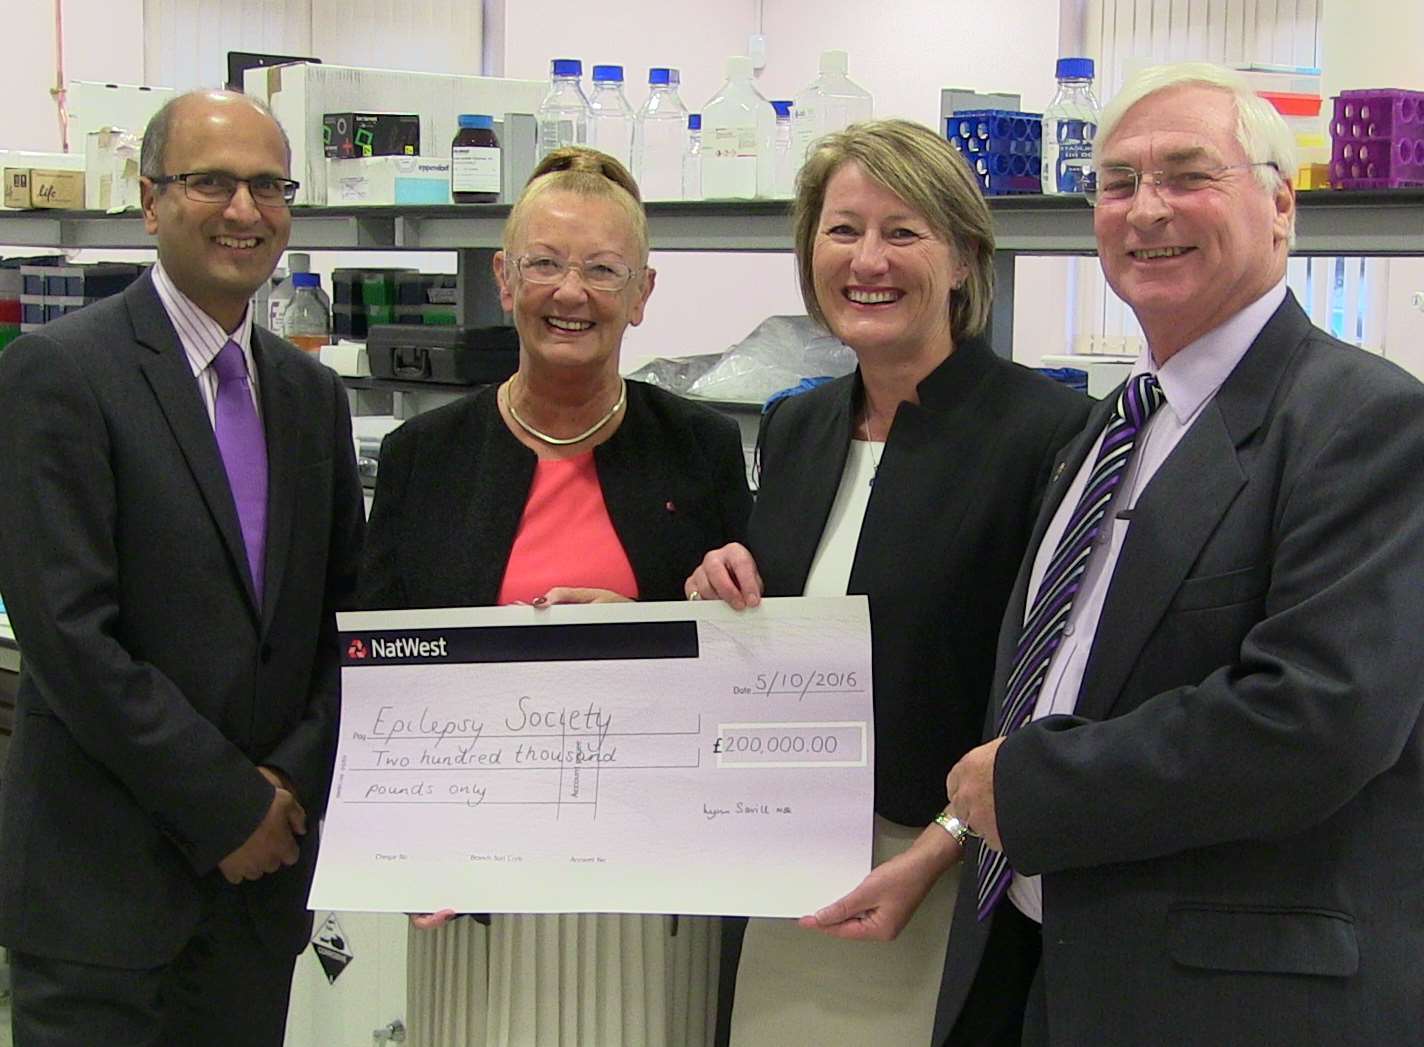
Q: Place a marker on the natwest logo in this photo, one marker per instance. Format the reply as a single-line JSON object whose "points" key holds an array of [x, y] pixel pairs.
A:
{"points": [[408, 647], [356, 649]]}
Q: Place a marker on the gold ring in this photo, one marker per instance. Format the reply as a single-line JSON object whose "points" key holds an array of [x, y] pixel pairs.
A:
{"points": [[694, 595]]}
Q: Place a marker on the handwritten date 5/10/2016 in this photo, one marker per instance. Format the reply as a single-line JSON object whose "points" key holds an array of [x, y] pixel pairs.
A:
{"points": [[801, 683]]}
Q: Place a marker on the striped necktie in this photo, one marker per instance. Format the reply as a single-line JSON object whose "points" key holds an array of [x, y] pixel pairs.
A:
{"points": [[1043, 629]]}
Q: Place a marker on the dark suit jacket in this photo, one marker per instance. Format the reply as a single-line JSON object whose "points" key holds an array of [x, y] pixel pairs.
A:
{"points": [[1231, 827], [151, 684], [453, 483], [955, 495]]}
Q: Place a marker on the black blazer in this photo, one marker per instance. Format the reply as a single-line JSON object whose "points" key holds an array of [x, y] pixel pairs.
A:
{"points": [[1230, 828], [151, 683], [955, 496], [453, 483]]}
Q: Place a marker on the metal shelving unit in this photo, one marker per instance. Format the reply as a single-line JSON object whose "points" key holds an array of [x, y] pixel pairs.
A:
{"points": [[1380, 223], [1357, 223]]}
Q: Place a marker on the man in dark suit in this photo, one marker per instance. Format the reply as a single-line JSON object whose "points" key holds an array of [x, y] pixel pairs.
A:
{"points": [[1206, 778], [181, 519]]}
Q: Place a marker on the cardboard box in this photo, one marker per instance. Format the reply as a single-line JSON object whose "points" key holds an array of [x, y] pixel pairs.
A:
{"points": [[37, 187], [26, 159], [111, 157], [93, 105], [347, 135], [302, 94], [384, 180]]}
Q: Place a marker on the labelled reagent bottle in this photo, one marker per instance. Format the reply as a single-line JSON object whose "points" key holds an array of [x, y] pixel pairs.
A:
{"points": [[1069, 124], [563, 114]]}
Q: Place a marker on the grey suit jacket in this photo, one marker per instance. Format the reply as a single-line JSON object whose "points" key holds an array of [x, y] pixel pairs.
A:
{"points": [[152, 683], [1230, 829]]}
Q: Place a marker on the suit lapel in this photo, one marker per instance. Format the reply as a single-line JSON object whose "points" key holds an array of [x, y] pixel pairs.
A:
{"points": [[1180, 509], [171, 379], [280, 418], [819, 460], [1069, 461]]}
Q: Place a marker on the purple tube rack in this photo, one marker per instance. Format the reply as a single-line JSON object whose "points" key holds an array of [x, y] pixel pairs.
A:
{"points": [[1377, 139]]}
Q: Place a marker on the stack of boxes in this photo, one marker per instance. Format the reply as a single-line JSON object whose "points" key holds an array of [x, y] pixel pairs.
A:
{"points": [[9, 306], [1004, 148], [1377, 139], [48, 292], [362, 297], [425, 298]]}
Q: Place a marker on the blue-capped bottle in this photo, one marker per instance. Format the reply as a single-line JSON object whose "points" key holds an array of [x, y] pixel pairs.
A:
{"points": [[660, 138], [563, 114], [1069, 124], [692, 159], [610, 117]]}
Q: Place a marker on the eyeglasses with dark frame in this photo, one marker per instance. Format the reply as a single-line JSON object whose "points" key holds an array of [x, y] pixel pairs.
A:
{"points": [[600, 276], [218, 187], [1118, 184]]}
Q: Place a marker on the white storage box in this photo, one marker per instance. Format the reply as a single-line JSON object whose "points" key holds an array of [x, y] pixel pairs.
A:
{"points": [[111, 158], [301, 94], [93, 106], [384, 180]]}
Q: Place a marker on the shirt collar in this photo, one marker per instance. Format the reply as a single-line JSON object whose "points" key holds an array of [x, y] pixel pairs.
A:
{"points": [[201, 336], [1196, 371]]}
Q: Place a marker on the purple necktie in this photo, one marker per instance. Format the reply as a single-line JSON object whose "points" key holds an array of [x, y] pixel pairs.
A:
{"points": [[244, 454], [1043, 629]]}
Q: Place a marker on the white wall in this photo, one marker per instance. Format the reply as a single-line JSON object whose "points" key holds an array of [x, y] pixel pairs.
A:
{"points": [[103, 40]]}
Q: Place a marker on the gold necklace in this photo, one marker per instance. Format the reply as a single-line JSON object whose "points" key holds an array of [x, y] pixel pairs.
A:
{"points": [[557, 441], [870, 446]]}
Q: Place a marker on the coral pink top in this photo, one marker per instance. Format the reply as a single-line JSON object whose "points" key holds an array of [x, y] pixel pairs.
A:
{"points": [[565, 536]]}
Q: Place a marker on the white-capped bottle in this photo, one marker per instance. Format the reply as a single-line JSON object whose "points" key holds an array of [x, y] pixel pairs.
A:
{"points": [[738, 126], [783, 157], [563, 114], [1069, 124], [610, 117], [660, 138], [832, 102], [281, 296], [692, 159]]}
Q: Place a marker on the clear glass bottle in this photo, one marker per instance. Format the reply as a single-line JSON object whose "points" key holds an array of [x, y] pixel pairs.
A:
{"points": [[1069, 124], [660, 138], [563, 114], [307, 320], [738, 126], [611, 118], [832, 102], [783, 158], [692, 159]]}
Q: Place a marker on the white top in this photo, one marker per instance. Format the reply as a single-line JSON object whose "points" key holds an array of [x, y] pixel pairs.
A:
{"points": [[830, 567], [202, 338], [1189, 381]]}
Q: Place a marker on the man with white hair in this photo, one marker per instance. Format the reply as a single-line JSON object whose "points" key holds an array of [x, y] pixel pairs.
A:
{"points": [[1200, 819]]}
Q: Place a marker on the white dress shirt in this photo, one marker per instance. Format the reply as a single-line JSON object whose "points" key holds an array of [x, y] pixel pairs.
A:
{"points": [[202, 338], [1189, 380]]}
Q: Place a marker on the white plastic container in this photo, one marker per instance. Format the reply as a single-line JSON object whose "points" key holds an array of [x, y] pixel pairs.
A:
{"points": [[660, 138], [692, 159], [610, 118], [738, 126], [832, 102], [1069, 123], [563, 114]]}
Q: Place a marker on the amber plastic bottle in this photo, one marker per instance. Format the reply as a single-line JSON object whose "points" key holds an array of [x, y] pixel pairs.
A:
{"points": [[474, 161]]}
